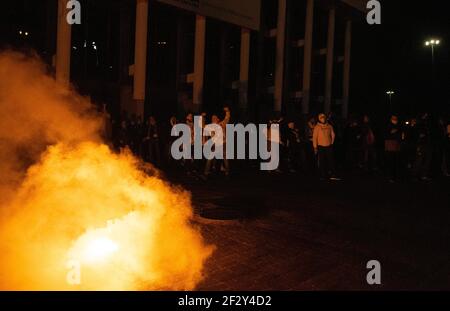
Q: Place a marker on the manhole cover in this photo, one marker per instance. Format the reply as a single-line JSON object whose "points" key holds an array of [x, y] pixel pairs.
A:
{"points": [[229, 208]]}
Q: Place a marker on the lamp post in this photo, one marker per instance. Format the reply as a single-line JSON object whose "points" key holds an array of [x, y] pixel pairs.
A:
{"points": [[432, 43], [390, 94]]}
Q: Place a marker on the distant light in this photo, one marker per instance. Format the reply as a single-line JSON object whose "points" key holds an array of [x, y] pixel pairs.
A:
{"points": [[390, 92], [93, 42], [84, 45], [20, 32], [95, 47], [26, 33], [74, 47], [433, 42]]}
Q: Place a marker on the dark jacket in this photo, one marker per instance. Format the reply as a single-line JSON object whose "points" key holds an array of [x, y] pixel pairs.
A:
{"points": [[393, 138]]}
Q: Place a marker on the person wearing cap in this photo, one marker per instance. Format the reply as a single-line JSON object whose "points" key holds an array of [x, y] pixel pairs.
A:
{"points": [[323, 140]]}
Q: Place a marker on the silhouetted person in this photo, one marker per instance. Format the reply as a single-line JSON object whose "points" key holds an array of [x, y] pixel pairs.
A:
{"points": [[392, 148], [447, 150], [293, 140], [123, 135], [440, 147], [410, 142], [153, 139], [107, 125], [368, 145], [310, 162], [353, 139], [167, 140], [189, 163], [424, 151], [132, 128]]}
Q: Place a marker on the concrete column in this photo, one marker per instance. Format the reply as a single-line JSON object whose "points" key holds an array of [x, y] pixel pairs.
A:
{"points": [[308, 50], [63, 44], [279, 61], [347, 54], [244, 69], [140, 56], [199, 62], [180, 58], [260, 82], [330, 59], [224, 35]]}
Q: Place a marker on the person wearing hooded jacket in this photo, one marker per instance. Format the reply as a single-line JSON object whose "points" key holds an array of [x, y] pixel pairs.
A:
{"points": [[323, 140]]}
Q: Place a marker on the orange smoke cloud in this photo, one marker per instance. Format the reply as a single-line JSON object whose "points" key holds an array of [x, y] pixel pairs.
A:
{"points": [[75, 208], [35, 112]]}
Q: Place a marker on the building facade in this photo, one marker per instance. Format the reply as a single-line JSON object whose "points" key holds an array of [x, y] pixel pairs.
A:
{"points": [[262, 57]]}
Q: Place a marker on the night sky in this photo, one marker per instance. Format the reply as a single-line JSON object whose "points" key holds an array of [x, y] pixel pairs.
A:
{"points": [[394, 56]]}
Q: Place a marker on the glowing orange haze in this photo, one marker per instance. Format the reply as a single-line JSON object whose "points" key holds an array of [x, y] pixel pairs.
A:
{"points": [[67, 198]]}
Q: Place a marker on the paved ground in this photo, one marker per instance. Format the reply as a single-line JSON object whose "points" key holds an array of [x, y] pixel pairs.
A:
{"points": [[298, 233]]}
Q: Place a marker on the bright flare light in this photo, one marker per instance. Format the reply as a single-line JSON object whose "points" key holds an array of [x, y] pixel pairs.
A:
{"points": [[126, 230], [99, 249]]}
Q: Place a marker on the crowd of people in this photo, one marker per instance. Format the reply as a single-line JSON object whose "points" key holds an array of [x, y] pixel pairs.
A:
{"points": [[415, 148]]}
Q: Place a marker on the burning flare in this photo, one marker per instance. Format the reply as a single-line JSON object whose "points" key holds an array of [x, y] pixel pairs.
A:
{"points": [[75, 208]]}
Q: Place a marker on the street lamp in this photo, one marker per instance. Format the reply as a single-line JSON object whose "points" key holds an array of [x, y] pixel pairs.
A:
{"points": [[432, 43], [390, 94]]}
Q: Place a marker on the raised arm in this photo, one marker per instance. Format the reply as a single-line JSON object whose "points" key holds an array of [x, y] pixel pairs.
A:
{"points": [[227, 118]]}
